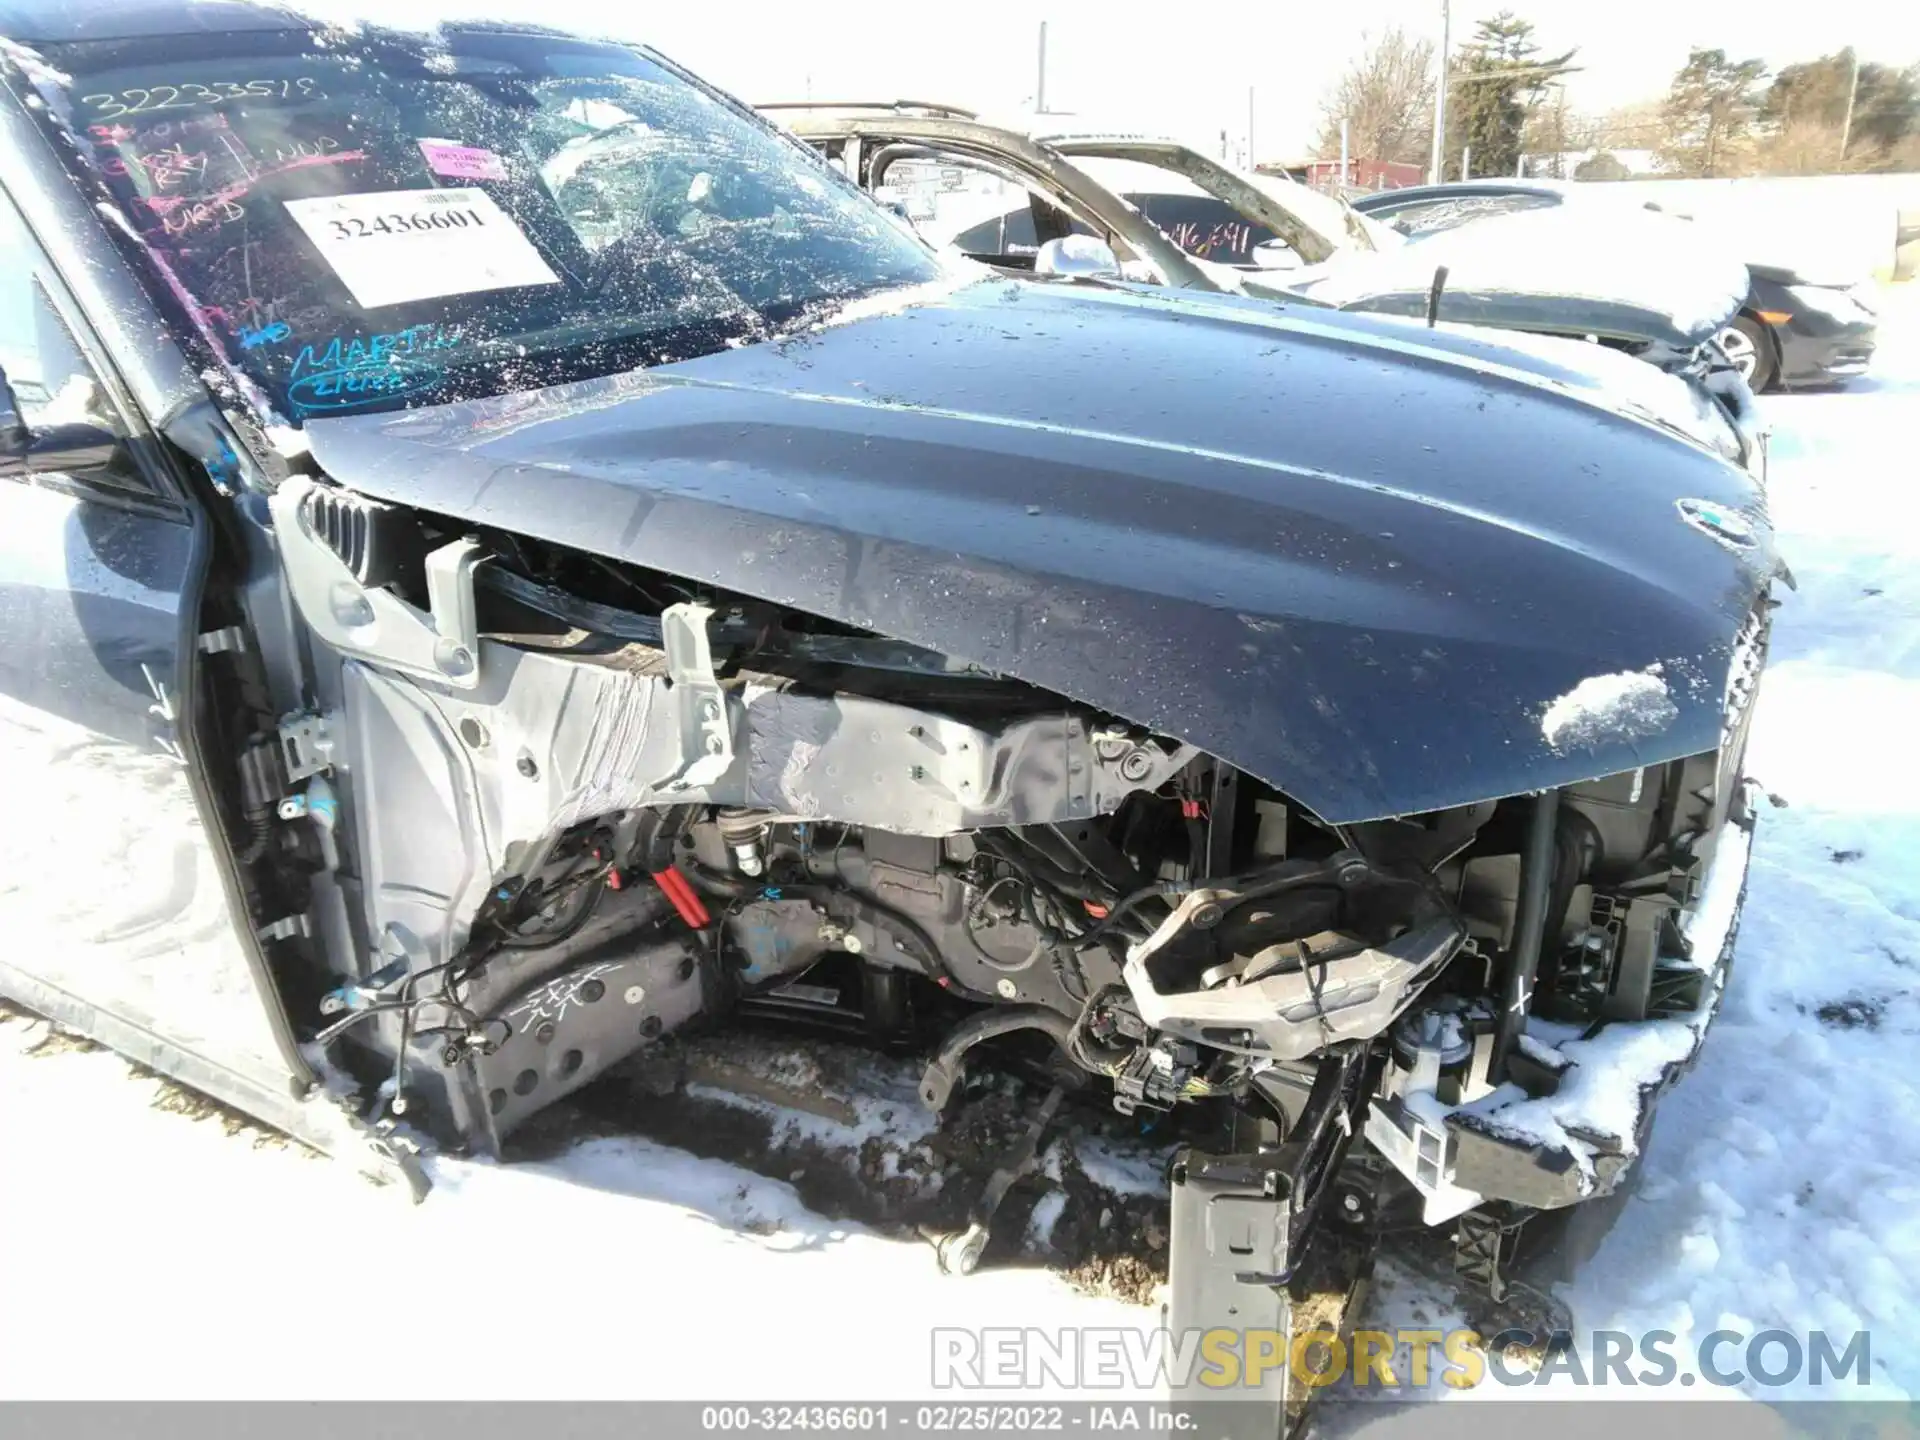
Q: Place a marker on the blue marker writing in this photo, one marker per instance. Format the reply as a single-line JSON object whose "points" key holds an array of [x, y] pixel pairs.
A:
{"points": [[350, 371], [265, 335]]}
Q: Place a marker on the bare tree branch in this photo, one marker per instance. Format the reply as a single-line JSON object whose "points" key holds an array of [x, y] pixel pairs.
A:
{"points": [[1386, 97]]}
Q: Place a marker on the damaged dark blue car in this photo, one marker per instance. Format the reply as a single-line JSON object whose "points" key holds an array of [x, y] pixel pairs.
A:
{"points": [[505, 556]]}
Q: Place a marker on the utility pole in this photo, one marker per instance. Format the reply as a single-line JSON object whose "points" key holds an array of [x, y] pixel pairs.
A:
{"points": [[1853, 91], [1040, 87], [1434, 175], [1343, 154], [1466, 162], [1249, 127]]}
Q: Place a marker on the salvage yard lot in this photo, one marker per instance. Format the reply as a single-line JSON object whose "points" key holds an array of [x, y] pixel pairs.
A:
{"points": [[1781, 1187]]}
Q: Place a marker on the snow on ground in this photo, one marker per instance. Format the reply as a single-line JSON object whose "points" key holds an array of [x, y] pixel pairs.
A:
{"points": [[150, 1253], [1782, 1183]]}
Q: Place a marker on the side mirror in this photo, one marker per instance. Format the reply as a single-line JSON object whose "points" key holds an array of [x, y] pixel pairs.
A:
{"points": [[1079, 255], [75, 447]]}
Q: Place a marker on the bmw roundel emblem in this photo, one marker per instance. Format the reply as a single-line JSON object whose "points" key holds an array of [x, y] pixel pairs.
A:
{"points": [[1722, 524]]}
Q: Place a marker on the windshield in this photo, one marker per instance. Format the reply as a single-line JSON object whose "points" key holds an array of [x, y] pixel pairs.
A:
{"points": [[369, 221]]}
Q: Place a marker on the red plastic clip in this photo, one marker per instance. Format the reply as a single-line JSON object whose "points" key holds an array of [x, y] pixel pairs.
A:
{"points": [[675, 887]]}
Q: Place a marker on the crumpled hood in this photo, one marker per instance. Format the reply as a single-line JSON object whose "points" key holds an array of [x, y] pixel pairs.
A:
{"points": [[1633, 275], [1357, 560]]}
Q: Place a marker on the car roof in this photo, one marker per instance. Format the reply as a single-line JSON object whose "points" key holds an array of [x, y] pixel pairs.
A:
{"points": [[866, 107], [1051, 128], [60, 21], [1455, 189]]}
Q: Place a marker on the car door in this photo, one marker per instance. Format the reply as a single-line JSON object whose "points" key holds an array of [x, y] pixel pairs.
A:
{"points": [[113, 900]]}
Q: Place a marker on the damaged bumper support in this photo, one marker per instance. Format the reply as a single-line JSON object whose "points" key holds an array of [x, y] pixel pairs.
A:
{"points": [[1239, 1230], [1578, 1135]]}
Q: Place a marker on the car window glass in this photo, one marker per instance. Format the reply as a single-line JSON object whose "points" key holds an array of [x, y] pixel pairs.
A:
{"points": [[1204, 226], [52, 382], [972, 209], [1322, 220], [365, 220]]}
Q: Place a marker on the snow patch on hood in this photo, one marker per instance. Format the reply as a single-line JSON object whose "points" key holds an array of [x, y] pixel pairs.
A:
{"points": [[1609, 709]]}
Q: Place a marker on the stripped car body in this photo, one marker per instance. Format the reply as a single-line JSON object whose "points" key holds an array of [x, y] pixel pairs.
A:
{"points": [[1653, 290], [554, 688]]}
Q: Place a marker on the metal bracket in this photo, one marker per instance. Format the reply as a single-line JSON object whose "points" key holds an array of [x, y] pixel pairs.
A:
{"points": [[1288, 1015], [362, 994], [1483, 1250], [306, 745], [1414, 1139], [287, 927], [700, 705], [228, 640], [370, 621], [450, 599], [1229, 1240]]}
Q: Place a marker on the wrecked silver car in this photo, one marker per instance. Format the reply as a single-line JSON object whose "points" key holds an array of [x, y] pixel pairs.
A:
{"points": [[549, 563]]}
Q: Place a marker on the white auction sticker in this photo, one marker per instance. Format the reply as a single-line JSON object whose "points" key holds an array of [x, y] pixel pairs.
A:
{"points": [[391, 246]]}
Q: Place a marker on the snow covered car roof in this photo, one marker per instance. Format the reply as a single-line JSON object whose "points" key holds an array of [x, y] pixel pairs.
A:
{"points": [[1640, 269]]}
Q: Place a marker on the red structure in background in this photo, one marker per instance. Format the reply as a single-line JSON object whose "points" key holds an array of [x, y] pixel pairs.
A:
{"points": [[1361, 174]]}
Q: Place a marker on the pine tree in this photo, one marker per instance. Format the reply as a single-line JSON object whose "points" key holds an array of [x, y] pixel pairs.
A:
{"points": [[1499, 79]]}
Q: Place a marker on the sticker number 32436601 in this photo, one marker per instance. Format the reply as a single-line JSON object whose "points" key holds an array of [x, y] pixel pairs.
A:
{"points": [[392, 246]]}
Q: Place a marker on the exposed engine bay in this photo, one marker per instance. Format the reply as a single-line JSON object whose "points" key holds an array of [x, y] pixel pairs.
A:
{"points": [[676, 606], [560, 808]]}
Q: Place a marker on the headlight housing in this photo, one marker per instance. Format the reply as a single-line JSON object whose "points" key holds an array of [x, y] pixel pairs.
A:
{"points": [[1838, 305]]}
